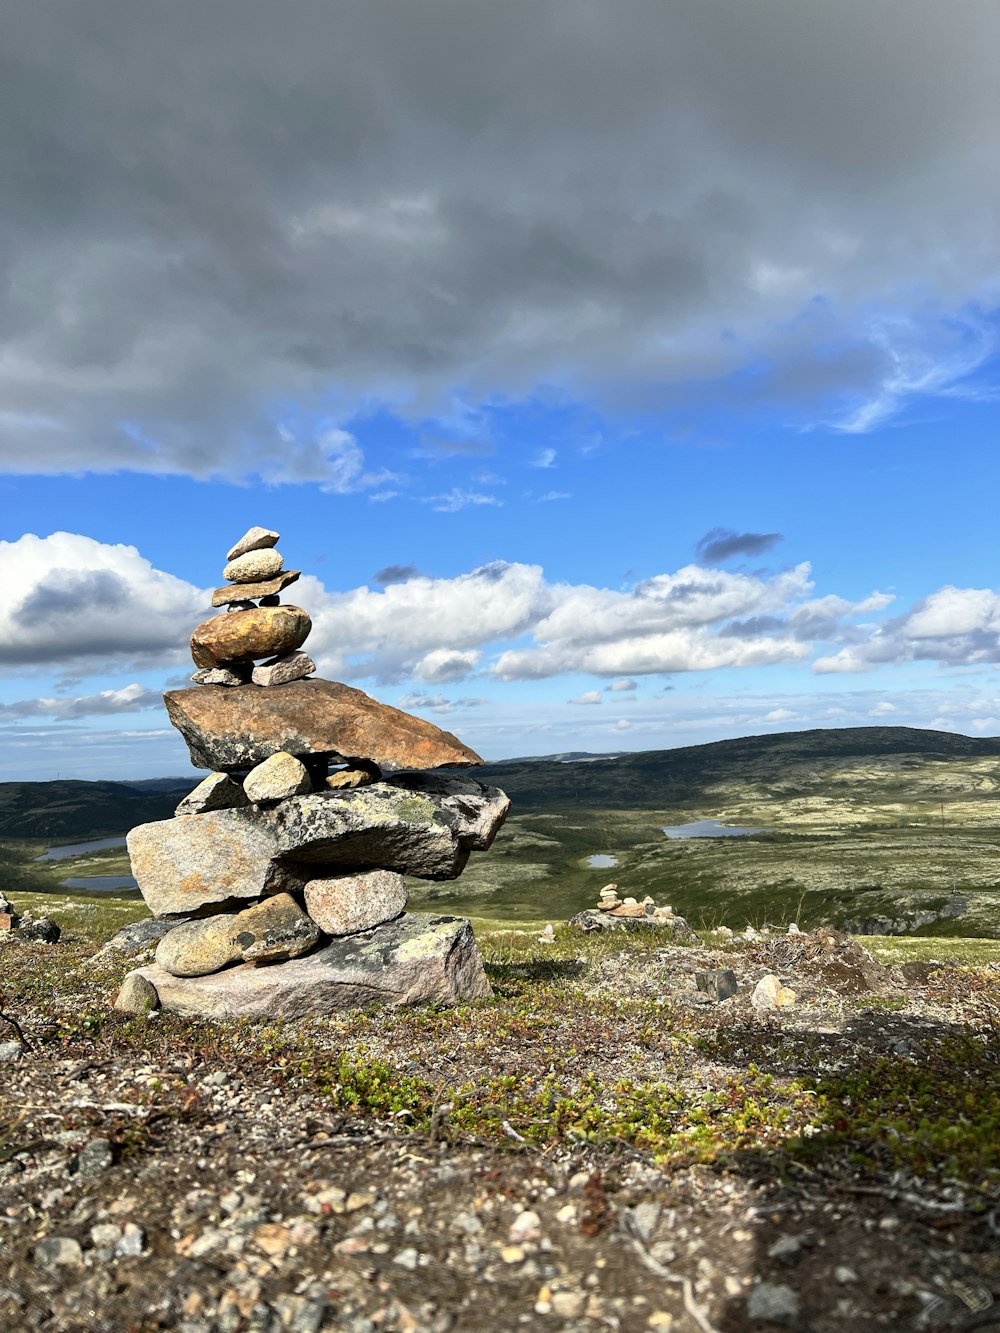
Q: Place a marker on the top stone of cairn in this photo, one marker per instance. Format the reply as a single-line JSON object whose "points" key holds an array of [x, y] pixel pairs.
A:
{"points": [[255, 539]]}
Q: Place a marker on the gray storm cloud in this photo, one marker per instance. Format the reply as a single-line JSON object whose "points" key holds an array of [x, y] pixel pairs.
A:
{"points": [[210, 210]]}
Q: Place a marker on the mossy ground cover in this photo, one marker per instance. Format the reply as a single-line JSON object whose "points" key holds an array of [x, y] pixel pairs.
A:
{"points": [[560, 1055]]}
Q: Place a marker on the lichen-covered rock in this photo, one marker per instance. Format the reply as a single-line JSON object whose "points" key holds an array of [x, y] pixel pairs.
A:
{"points": [[216, 792], [275, 778], [43, 930], [231, 729], [416, 824], [187, 864], [243, 636], [199, 947], [346, 779], [274, 930], [412, 960], [269, 932], [346, 904], [253, 566], [254, 539]]}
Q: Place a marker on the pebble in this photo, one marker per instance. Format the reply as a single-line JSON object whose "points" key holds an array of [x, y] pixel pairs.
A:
{"points": [[845, 1275], [644, 1217], [526, 1226], [96, 1157], [773, 1302], [58, 1252], [136, 996], [769, 993], [408, 1258]]}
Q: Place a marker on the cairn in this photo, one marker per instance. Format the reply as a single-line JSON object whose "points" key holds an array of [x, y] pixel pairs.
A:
{"points": [[615, 913], [284, 870]]}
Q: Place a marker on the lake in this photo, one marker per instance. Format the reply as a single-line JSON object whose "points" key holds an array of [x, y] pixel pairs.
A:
{"points": [[602, 861], [96, 883], [709, 828], [80, 848]]}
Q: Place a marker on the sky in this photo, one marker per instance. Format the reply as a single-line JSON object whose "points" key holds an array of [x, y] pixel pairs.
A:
{"points": [[619, 375]]}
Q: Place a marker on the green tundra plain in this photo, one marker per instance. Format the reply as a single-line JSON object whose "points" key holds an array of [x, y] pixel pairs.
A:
{"points": [[859, 823]]}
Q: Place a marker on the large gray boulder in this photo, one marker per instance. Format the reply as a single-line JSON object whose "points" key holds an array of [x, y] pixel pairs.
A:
{"points": [[192, 862], [414, 960], [416, 824]]}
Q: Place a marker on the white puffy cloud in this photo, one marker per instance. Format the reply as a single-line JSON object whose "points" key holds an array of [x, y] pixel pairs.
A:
{"points": [[952, 626], [672, 622], [588, 697], [439, 624], [74, 603], [445, 664]]}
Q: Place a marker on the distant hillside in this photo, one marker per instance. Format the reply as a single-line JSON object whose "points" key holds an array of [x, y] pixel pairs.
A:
{"points": [[656, 779], [77, 810], [646, 780]]}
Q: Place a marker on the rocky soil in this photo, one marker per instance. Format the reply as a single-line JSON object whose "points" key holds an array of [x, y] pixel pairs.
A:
{"points": [[599, 1146]]}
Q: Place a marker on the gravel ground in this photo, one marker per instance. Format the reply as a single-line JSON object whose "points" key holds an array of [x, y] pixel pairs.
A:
{"points": [[205, 1178]]}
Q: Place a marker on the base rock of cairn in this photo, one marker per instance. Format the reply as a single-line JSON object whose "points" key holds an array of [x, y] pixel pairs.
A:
{"points": [[278, 882]]}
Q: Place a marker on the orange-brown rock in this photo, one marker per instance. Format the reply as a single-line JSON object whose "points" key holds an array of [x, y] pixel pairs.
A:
{"points": [[236, 727], [249, 592], [242, 636]]}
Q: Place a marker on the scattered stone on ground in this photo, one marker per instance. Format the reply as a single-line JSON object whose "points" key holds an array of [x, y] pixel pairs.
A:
{"points": [[244, 1192]]}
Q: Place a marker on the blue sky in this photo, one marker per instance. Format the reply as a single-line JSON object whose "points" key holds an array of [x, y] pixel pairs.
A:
{"points": [[615, 385]]}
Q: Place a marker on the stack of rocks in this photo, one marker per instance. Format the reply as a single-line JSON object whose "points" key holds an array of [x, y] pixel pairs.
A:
{"points": [[615, 913], [284, 869]]}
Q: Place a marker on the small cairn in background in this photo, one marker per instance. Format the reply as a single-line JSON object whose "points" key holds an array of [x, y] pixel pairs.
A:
{"points": [[615, 913], [284, 869]]}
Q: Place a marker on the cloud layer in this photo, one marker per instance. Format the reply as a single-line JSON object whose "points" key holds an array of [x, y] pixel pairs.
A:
{"points": [[78, 607], [231, 222]]}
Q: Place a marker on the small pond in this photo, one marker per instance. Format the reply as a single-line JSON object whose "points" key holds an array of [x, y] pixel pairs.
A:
{"points": [[102, 883], [602, 861], [709, 828], [80, 848]]}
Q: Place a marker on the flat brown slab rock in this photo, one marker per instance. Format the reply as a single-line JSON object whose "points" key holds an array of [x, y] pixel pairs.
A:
{"points": [[414, 960], [249, 592], [235, 728]]}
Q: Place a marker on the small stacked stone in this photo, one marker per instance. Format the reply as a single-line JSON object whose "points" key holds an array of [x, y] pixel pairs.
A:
{"points": [[286, 879], [616, 913], [256, 624]]}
